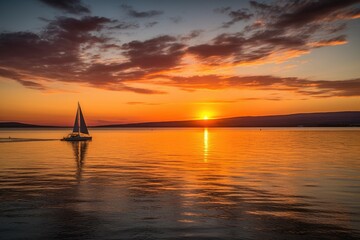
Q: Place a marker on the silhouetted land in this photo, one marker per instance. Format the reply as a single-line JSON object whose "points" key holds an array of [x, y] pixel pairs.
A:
{"points": [[329, 119], [23, 125]]}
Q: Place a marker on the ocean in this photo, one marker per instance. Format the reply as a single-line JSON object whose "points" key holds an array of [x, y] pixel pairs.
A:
{"points": [[181, 183]]}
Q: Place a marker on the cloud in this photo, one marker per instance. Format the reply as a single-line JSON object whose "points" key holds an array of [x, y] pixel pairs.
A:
{"points": [[137, 14], [314, 88], [303, 12], [158, 53], [68, 6], [57, 55], [150, 24], [54, 48], [330, 42], [18, 78], [74, 25], [221, 46], [278, 31], [235, 15], [193, 34], [261, 6], [243, 99], [135, 89], [125, 26]]}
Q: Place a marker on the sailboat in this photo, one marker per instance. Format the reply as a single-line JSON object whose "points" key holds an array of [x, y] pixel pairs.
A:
{"points": [[80, 131]]}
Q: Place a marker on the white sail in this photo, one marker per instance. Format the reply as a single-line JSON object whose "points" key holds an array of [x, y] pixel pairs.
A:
{"points": [[83, 128]]}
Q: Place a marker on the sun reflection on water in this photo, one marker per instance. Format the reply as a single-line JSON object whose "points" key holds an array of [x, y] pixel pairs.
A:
{"points": [[206, 144]]}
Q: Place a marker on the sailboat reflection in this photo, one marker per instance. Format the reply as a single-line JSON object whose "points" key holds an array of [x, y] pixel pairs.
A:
{"points": [[79, 149], [206, 144]]}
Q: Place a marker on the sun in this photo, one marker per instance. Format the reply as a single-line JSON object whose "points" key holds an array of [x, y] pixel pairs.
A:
{"points": [[205, 115]]}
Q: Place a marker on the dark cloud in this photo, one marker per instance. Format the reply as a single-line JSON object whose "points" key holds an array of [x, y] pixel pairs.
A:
{"points": [[350, 14], [125, 26], [107, 46], [281, 27], [260, 6], [54, 48], [221, 46], [74, 25], [18, 77], [150, 24], [298, 13], [193, 34], [137, 14], [142, 58], [55, 55], [276, 37], [314, 88], [69, 6], [162, 52], [31, 84], [237, 16]]}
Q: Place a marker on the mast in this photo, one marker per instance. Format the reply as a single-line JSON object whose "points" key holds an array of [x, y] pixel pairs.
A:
{"points": [[78, 108], [79, 122]]}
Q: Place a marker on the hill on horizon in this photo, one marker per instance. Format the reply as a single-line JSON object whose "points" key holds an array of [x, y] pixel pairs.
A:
{"points": [[322, 119], [327, 119]]}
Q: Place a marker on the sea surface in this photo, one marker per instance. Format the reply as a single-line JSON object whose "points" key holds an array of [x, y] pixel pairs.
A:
{"points": [[195, 183]]}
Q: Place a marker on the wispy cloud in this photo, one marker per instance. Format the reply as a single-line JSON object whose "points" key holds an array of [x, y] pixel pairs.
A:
{"points": [[315, 88], [68, 6], [17, 77], [235, 15], [278, 28], [150, 24], [140, 14], [299, 13], [125, 25]]}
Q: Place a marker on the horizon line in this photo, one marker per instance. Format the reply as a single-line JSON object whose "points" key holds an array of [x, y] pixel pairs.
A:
{"points": [[174, 121]]}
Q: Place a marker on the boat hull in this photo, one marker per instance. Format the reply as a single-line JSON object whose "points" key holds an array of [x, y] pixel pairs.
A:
{"points": [[76, 138]]}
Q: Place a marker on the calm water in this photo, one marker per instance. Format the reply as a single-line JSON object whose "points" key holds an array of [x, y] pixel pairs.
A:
{"points": [[182, 184]]}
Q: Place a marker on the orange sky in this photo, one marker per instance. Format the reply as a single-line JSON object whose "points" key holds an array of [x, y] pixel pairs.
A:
{"points": [[156, 63]]}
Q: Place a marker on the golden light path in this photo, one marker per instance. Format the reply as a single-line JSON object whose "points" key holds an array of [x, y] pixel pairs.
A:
{"points": [[206, 144]]}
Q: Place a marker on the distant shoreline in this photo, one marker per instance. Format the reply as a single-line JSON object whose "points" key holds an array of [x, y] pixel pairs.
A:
{"points": [[327, 119], [11, 139]]}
